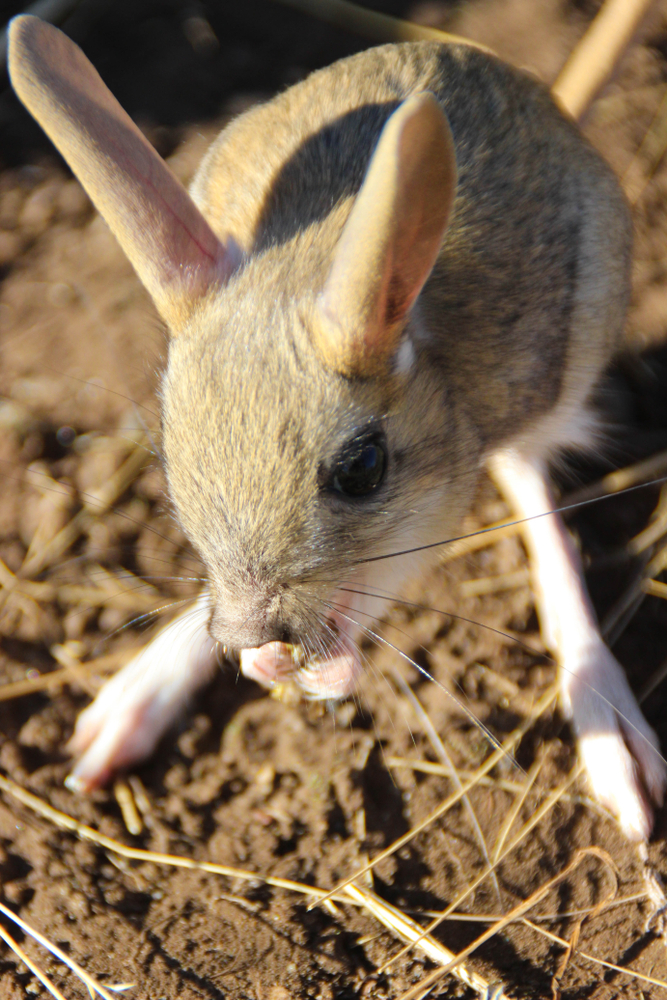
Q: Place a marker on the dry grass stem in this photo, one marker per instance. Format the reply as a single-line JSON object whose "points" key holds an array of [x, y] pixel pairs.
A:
{"points": [[34, 968], [94, 506], [513, 813], [594, 59], [57, 678], [91, 983], [645, 471], [58, 546], [514, 915], [573, 940], [658, 563], [551, 800], [128, 807], [577, 953], [488, 535], [494, 758], [460, 916], [521, 701], [99, 501], [654, 531], [444, 758], [504, 784], [408, 930], [623, 610], [651, 564], [656, 588], [495, 584], [120, 590], [141, 799], [66, 822], [588, 68], [433, 767], [414, 933]]}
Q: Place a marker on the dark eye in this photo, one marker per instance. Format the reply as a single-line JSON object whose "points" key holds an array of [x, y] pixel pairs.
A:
{"points": [[361, 466]]}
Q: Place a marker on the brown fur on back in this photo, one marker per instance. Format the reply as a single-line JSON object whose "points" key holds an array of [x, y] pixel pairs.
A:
{"points": [[505, 305]]}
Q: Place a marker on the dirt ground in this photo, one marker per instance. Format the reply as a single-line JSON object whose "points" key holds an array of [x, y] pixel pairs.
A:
{"points": [[288, 790]]}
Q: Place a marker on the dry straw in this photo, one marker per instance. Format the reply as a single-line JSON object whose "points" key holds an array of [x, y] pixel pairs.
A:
{"points": [[585, 73]]}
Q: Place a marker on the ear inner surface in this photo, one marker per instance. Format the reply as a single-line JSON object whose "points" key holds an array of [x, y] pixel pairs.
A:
{"points": [[169, 243], [390, 241]]}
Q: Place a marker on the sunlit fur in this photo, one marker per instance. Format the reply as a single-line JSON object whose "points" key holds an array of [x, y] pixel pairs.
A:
{"points": [[306, 309]]}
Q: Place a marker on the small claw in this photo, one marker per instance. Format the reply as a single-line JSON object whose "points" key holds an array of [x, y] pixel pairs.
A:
{"points": [[76, 784]]}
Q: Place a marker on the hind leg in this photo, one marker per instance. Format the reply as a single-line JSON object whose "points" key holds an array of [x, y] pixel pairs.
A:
{"points": [[618, 747]]}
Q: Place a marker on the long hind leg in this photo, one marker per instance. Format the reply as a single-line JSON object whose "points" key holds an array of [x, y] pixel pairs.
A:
{"points": [[618, 747]]}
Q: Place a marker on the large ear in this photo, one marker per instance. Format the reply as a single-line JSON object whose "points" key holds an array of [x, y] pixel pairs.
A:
{"points": [[390, 241], [169, 243]]}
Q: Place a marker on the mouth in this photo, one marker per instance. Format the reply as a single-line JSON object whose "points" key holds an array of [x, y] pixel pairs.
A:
{"points": [[329, 675]]}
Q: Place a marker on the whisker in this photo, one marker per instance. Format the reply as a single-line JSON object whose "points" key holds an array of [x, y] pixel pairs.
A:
{"points": [[382, 678], [451, 614], [425, 673], [129, 547], [142, 618], [89, 382], [110, 597], [369, 664], [148, 431], [513, 638], [511, 524], [441, 752], [91, 574]]}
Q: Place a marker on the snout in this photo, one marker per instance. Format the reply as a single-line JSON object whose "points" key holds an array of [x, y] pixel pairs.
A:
{"points": [[282, 636], [253, 622]]}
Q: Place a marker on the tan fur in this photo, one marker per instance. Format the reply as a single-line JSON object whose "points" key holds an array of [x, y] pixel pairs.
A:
{"points": [[413, 247], [521, 311]]}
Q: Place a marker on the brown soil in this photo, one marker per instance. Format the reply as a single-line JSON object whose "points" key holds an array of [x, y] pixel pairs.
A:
{"points": [[297, 791]]}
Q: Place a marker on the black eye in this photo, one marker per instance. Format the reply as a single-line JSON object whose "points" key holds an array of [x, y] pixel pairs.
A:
{"points": [[361, 466]]}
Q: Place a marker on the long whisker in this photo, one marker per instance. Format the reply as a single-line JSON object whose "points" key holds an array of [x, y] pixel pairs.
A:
{"points": [[120, 593], [325, 652], [135, 580], [519, 642], [511, 524], [105, 388], [149, 580], [441, 752], [425, 673], [420, 645], [148, 431], [129, 546], [450, 614], [139, 619]]}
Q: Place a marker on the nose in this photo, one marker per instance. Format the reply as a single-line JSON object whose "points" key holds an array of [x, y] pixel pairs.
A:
{"points": [[251, 623]]}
